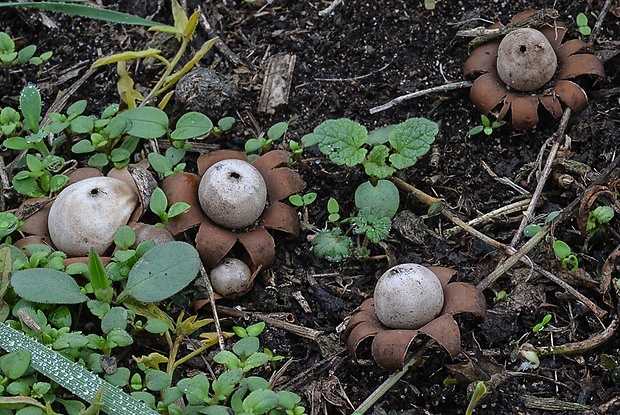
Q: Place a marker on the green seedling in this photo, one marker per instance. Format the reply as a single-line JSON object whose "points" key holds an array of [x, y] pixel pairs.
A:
{"points": [[302, 200], [532, 229], [10, 57], [599, 216], [538, 327], [168, 164], [159, 206], [296, 148], [499, 296], [563, 252], [9, 223], [582, 24], [333, 209], [40, 179], [487, 126], [479, 392], [262, 143]]}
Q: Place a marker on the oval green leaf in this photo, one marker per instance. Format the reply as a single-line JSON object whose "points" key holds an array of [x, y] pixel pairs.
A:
{"points": [[48, 286], [191, 125], [162, 272], [146, 122]]}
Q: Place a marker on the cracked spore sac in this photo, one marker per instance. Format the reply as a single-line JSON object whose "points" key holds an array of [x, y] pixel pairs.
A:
{"points": [[205, 90]]}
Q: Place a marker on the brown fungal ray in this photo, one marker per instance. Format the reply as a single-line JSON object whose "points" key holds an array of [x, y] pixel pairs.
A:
{"points": [[213, 243], [581, 64], [83, 173], [207, 160], [487, 92], [463, 298], [260, 246], [552, 105], [444, 274], [282, 218], [571, 94], [365, 311], [281, 183], [143, 183], [483, 59], [524, 109], [271, 160], [554, 34], [31, 240], [572, 47], [34, 213], [183, 187], [390, 346], [363, 325]]}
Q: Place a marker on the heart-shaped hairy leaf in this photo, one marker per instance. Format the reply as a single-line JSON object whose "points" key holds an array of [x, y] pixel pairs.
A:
{"points": [[382, 199], [162, 272], [48, 286]]}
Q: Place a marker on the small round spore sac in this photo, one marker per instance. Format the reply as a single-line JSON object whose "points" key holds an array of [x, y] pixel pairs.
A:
{"points": [[408, 296], [204, 90], [526, 60], [233, 193], [231, 277]]}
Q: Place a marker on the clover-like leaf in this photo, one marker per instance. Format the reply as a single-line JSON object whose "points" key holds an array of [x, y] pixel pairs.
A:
{"points": [[411, 139], [376, 228]]}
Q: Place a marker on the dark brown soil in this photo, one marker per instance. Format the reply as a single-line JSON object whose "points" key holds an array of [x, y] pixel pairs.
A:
{"points": [[361, 55]]}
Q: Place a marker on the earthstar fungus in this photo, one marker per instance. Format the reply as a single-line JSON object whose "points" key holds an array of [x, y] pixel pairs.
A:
{"points": [[253, 244], [517, 74], [89, 211], [390, 345]]}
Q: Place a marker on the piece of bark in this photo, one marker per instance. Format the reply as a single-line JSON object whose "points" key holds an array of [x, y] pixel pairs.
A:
{"points": [[277, 82]]}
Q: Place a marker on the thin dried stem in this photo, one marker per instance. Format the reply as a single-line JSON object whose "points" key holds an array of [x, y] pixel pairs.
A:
{"points": [[542, 180], [204, 277], [441, 88], [301, 331]]}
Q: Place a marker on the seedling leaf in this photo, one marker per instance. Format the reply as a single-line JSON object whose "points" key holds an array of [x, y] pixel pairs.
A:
{"points": [[162, 272], [191, 125], [145, 122], [48, 286], [382, 199], [376, 165]]}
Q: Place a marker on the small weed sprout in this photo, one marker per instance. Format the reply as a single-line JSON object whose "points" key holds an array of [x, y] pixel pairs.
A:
{"points": [[159, 206], [563, 252], [599, 216], [10, 57], [582, 24], [545, 320], [487, 126]]}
